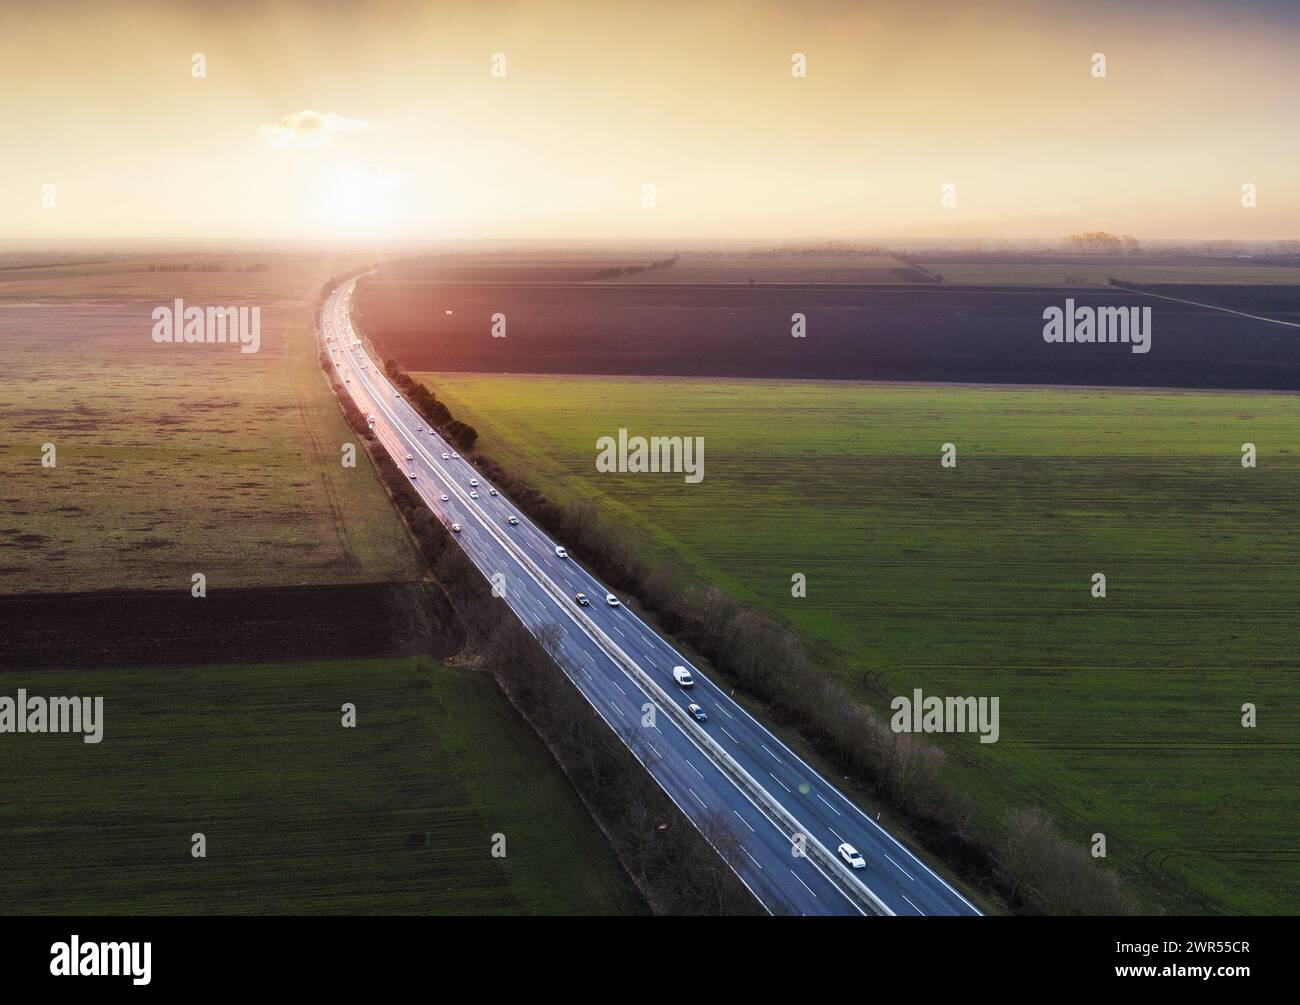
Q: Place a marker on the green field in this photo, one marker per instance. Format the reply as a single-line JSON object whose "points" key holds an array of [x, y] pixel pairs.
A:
{"points": [[300, 814], [1118, 715]]}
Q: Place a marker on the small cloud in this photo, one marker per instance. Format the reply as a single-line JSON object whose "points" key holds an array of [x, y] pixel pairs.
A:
{"points": [[308, 129]]}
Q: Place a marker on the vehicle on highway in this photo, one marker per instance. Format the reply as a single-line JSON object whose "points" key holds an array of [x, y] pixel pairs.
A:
{"points": [[611, 600], [455, 528], [492, 492], [473, 495], [455, 456], [699, 713], [514, 521], [409, 457], [347, 380], [412, 472], [419, 429], [444, 497], [560, 551], [851, 856], [473, 482], [446, 457], [582, 600], [683, 677]]}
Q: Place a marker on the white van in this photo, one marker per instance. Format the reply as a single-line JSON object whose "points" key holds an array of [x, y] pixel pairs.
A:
{"points": [[683, 677]]}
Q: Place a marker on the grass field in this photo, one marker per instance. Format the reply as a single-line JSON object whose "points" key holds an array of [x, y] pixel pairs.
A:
{"points": [[300, 814], [172, 459], [1118, 715]]}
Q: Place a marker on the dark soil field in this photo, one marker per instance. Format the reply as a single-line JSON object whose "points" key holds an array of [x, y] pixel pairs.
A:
{"points": [[916, 332], [1011, 269], [1281, 302], [128, 628]]}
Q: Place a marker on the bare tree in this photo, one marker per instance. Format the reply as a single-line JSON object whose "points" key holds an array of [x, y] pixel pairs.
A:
{"points": [[635, 739], [717, 830], [1043, 870], [549, 637]]}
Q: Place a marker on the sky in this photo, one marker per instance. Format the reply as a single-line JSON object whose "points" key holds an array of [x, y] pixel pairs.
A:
{"points": [[385, 121]]}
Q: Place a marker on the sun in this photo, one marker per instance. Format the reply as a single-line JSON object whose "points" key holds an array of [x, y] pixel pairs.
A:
{"points": [[360, 197]]}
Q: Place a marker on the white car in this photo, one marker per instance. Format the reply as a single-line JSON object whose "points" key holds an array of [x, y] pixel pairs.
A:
{"points": [[455, 528], [409, 457], [492, 492], [455, 455], [473, 495], [412, 473], [444, 497], [851, 856], [473, 483], [611, 600], [560, 552], [683, 677], [514, 521], [446, 457], [419, 429]]}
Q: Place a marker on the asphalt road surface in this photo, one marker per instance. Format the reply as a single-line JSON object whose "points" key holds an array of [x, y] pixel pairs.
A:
{"points": [[728, 774]]}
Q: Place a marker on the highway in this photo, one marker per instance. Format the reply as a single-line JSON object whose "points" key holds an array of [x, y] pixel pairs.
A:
{"points": [[728, 771]]}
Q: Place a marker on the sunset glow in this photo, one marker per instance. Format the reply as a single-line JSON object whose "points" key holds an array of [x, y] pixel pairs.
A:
{"points": [[308, 114]]}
